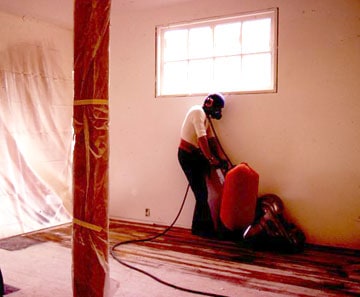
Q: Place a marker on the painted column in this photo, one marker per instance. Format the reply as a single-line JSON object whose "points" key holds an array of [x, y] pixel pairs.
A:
{"points": [[91, 149]]}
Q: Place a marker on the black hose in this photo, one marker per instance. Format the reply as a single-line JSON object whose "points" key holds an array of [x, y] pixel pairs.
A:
{"points": [[217, 139], [112, 252]]}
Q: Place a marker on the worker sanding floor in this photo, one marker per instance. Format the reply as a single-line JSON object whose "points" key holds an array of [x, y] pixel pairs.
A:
{"points": [[39, 264]]}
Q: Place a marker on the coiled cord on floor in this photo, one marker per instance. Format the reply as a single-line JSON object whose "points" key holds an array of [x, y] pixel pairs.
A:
{"points": [[112, 252]]}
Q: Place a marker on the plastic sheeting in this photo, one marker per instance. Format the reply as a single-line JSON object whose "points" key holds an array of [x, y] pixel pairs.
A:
{"points": [[36, 139], [91, 150]]}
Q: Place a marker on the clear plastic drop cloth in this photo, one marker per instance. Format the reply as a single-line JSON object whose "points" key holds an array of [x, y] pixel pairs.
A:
{"points": [[36, 139]]}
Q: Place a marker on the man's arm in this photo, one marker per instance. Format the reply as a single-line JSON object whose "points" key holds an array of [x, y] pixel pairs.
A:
{"points": [[215, 148], [205, 148]]}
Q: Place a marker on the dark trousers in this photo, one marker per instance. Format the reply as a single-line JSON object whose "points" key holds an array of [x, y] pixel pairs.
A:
{"points": [[196, 167]]}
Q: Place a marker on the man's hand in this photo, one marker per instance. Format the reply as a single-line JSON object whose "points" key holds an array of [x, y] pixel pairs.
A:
{"points": [[214, 162], [224, 164]]}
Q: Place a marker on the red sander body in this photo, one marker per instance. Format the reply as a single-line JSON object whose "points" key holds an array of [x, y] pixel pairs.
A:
{"points": [[239, 196]]}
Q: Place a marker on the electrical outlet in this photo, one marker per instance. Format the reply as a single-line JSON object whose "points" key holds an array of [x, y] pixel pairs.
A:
{"points": [[147, 212]]}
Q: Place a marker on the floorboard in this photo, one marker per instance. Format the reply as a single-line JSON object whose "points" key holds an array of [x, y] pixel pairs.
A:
{"points": [[227, 268]]}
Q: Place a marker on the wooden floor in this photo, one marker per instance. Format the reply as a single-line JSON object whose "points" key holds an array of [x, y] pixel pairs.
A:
{"points": [[227, 265]]}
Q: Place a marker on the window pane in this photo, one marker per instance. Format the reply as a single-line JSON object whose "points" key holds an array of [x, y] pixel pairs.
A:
{"points": [[200, 75], [200, 42], [175, 78], [175, 45], [227, 39], [256, 36], [227, 74], [226, 54], [256, 72]]}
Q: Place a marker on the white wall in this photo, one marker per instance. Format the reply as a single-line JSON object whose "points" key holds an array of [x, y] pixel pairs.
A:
{"points": [[303, 140]]}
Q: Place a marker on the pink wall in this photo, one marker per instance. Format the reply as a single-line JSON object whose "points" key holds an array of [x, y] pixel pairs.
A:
{"points": [[302, 140]]}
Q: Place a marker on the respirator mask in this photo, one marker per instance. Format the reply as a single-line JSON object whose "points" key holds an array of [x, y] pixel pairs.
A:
{"points": [[215, 113]]}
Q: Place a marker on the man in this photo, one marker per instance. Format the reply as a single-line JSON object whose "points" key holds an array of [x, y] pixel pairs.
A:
{"points": [[198, 151]]}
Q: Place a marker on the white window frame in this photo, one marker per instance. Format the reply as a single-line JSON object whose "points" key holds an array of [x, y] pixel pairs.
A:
{"points": [[185, 90]]}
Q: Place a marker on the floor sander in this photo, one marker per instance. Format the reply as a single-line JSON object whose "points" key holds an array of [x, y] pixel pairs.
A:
{"points": [[238, 212]]}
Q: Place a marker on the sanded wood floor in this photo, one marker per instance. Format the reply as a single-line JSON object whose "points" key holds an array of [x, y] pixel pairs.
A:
{"points": [[317, 271]]}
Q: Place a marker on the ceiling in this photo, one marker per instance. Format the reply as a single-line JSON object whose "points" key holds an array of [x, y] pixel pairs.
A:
{"points": [[60, 12]]}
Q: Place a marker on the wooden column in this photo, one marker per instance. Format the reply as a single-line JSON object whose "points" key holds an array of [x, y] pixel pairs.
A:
{"points": [[91, 152]]}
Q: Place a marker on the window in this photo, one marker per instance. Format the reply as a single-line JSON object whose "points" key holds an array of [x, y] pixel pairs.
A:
{"points": [[235, 54]]}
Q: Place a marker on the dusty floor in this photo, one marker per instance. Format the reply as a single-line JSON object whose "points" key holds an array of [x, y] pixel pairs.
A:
{"points": [[222, 268]]}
